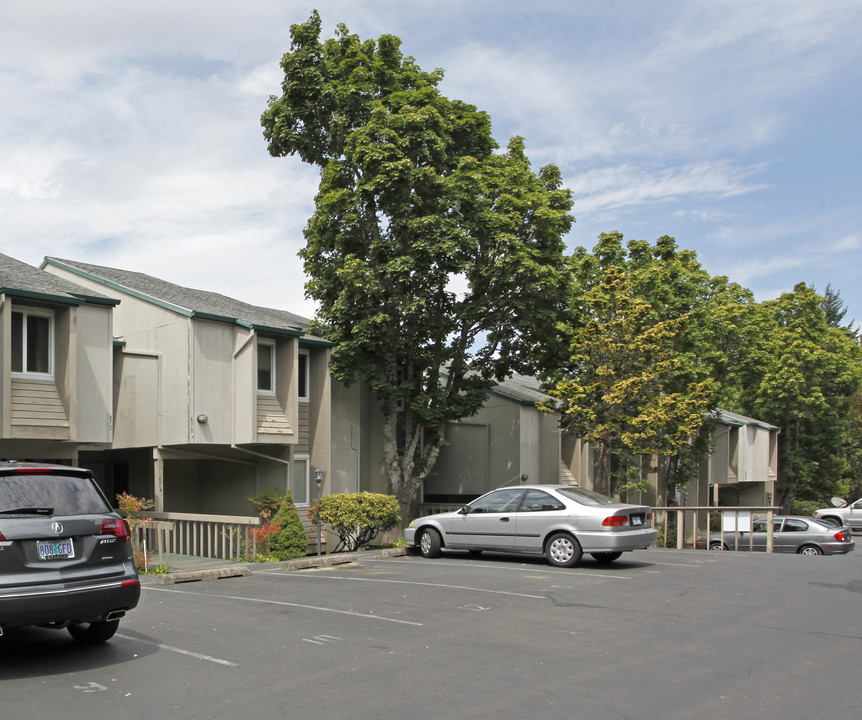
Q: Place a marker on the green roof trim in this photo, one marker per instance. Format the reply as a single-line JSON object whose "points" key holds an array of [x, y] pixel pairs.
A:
{"points": [[118, 287], [312, 341], [290, 332], [98, 299], [42, 297]]}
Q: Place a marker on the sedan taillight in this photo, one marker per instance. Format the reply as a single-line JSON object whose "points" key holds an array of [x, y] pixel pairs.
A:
{"points": [[615, 521], [118, 528], [842, 536]]}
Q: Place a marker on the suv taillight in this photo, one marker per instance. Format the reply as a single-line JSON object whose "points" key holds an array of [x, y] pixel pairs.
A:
{"points": [[118, 528], [2, 539]]}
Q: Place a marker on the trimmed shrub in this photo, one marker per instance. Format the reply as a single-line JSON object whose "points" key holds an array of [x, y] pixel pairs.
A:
{"points": [[357, 518], [290, 540]]}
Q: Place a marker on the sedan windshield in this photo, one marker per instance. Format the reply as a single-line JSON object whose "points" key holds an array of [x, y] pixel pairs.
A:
{"points": [[586, 497]]}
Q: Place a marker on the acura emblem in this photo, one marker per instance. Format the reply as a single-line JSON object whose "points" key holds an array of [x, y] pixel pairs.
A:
{"points": [[57, 528]]}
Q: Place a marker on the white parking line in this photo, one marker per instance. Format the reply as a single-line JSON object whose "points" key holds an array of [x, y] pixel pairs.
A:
{"points": [[289, 604], [162, 646], [411, 582], [520, 568]]}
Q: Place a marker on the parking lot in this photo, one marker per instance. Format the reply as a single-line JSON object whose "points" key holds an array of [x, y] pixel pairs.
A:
{"points": [[659, 634]]}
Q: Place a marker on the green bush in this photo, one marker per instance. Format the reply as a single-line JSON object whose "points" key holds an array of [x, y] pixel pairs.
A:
{"points": [[357, 518], [290, 540]]}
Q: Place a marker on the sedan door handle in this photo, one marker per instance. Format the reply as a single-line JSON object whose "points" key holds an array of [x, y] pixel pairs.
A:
{"points": [[505, 519]]}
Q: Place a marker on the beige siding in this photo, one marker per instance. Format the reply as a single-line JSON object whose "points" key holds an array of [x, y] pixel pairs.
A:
{"points": [[303, 443], [93, 387], [271, 420], [37, 410], [137, 401]]}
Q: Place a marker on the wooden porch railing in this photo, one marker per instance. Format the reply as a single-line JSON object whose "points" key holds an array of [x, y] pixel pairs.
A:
{"points": [[151, 536], [224, 537]]}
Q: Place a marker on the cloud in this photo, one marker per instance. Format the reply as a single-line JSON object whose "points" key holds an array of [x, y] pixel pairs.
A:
{"points": [[610, 188]]}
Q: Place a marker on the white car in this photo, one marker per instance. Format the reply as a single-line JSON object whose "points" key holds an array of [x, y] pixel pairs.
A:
{"points": [[561, 522], [842, 516]]}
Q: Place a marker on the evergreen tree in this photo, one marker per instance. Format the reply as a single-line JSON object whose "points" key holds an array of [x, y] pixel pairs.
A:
{"points": [[290, 540]]}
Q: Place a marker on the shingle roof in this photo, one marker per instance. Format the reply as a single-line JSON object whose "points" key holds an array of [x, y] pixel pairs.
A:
{"points": [[188, 301], [521, 388], [732, 418], [19, 279]]}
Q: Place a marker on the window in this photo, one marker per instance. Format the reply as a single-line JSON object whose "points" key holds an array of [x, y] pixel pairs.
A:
{"points": [[761, 526], [540, 501], [500, 501], [299, 481], [303, 376], [266, 367], [33, 342], [585, 497], [793, 525]]}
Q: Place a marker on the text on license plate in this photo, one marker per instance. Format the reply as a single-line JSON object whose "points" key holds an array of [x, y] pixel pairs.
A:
{"points": [[636, 519], [56, 549]]}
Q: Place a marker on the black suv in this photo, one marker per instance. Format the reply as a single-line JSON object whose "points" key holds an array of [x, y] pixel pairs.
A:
{"points": [[66, 557]]}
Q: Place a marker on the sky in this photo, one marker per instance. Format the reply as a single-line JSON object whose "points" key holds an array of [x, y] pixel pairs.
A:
{"points": [[130, 132]]}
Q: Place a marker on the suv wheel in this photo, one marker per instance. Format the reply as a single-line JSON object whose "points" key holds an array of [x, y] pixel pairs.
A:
{"points": [[94, 632]]}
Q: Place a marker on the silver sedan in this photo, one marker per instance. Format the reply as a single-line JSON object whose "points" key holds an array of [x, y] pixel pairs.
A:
{"points": [[791, 534], [561, 522]]}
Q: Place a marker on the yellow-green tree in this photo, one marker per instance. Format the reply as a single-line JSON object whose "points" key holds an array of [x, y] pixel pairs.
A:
{"points": [[653, 342]]}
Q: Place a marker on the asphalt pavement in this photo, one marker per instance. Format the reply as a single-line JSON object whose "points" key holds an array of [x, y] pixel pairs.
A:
{"points": [[661, 634]]}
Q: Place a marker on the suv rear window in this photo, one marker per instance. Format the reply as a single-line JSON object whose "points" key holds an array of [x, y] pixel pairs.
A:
{"points": [[64, 494]]}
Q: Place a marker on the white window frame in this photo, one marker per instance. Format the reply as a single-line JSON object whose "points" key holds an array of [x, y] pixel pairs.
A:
{"points": [[303, 457], [303, 392], [27, 312], [270, 348]]}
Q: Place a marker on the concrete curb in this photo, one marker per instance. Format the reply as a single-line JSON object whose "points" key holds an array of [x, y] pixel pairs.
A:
{"points": [[235, 569], [315, 561]]}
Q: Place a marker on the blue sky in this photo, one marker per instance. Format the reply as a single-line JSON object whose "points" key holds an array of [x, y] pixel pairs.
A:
{"points": [[130, 135]]}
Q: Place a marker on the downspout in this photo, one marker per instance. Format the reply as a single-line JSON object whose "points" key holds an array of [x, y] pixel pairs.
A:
{"points": [[191, 382]]}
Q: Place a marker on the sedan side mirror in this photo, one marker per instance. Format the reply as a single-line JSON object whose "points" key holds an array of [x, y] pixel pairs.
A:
{"points": [[464, 510]]}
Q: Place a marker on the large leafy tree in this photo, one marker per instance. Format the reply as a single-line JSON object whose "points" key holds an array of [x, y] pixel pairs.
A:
{"points": [[437, 263], [653, 346], [805, 379]]}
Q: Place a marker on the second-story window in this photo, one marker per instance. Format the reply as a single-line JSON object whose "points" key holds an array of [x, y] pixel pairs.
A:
{"points": [[303, 376], [266, 367], [33, 342]]}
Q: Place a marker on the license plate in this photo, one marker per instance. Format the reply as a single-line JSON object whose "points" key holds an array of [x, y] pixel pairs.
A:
{"points": [[56, 549], [636, 519]]}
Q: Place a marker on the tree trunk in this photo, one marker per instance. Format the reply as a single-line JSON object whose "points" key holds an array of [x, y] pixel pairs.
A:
{"points": [[408, 465]]}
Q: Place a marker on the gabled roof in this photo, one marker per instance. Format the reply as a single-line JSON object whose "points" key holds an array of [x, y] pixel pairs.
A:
{"points": [[186, 301], [737, 420], [18, 279], [520, 388]]}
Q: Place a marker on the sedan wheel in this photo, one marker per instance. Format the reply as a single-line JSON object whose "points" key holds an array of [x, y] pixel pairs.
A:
{"points": [[606, 557], [94, 632], [562, 550], [809, 550], [429, 543], [716, 546]]}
